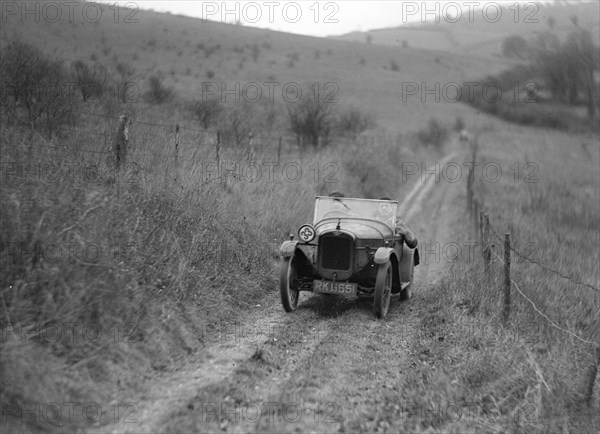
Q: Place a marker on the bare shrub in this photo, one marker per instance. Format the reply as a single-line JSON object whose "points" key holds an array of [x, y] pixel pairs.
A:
{"points": [[459, 124], [270, 117], [127, 89], [236, 123], [352, 121], [207, 112], [255, 52], [435, 134], [35, 90], [208, 51], [311, 121], [292, 59], [158, 93], [91, 81], [367, 170]]}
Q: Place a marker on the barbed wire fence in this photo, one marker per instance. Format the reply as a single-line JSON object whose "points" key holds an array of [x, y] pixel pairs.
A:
{"points": [[176, 130], [250, 142], [119, 144], [482, 229]]}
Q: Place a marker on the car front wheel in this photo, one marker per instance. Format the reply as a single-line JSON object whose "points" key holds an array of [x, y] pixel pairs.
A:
{"points": [[383, 289], [288, 284]]}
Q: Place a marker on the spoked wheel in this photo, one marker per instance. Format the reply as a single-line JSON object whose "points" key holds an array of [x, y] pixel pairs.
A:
{"points": [[383, 290], [406, 292], [288, 284]]}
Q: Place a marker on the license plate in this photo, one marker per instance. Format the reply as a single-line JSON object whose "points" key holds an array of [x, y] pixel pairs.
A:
{"points": [[328, 287]]}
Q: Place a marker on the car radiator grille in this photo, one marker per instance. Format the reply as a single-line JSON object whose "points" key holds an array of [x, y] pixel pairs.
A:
{"points": [[335, 253]]}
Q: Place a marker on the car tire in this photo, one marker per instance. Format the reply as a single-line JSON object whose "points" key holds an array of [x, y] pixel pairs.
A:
{"points": [[406, 293], [383, 290], [287, 276]]}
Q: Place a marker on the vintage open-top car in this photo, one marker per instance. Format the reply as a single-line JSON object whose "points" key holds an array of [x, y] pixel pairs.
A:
{"points": [[353, 248]]}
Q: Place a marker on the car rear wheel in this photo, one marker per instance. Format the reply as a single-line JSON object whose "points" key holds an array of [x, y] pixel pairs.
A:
{"points": [[383, 289], [406, 292], [288, 281]]}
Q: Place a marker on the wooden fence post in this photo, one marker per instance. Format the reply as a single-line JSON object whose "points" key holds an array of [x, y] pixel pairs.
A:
{"points": [[487, 253], [481, 240], [121, 142], [589, 393], [507, 280], [476, 220], [470, 189]]}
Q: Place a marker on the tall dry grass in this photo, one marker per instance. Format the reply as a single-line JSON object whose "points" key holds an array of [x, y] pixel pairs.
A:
{"points": [[142, 258], [551, 208]]}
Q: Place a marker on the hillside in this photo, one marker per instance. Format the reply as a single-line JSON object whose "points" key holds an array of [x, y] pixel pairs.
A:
{"points": [[482, 35], [189, 52]]}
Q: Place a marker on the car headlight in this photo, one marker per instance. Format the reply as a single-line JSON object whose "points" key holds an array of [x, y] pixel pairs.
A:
{"points": [[306, 233]]}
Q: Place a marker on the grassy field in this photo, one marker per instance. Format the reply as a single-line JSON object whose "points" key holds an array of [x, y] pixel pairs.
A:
{"points": [[535, 368]]}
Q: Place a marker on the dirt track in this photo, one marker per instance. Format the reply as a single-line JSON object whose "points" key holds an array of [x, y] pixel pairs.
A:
{"points": [[328, 367]]}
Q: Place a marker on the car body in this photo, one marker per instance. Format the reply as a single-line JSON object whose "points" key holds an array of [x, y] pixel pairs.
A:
{"points": [[352, 248]]}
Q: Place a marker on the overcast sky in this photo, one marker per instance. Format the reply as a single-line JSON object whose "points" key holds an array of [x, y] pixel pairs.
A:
{"points": [[324, 18]]}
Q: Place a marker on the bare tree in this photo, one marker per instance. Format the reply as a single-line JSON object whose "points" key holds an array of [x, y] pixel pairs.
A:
{"points": [[311, 121], [91, 81], [352, 121], [207, 112], [34, 88]]}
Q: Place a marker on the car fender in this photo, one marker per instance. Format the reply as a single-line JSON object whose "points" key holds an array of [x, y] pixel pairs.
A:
{"points": [[382, 255], [288, 248], [407, 263]]}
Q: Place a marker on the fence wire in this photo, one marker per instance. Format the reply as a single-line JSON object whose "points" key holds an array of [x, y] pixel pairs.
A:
{"points": [[542, 314], [529, 259]]}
